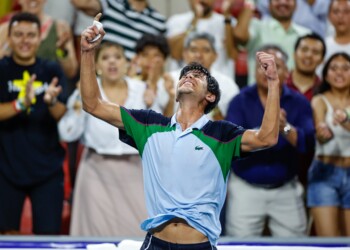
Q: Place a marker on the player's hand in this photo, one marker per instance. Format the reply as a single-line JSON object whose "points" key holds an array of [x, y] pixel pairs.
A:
{"points": [[267, 65], [89, 34]]}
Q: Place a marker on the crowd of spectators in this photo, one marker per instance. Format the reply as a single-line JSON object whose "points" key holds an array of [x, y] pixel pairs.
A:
{"points": [[277, 191]]}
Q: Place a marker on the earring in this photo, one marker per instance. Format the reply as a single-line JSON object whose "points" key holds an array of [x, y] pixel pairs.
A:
{"points": [[99, 72]]}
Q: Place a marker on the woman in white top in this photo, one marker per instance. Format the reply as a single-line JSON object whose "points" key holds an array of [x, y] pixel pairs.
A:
{"points": [[108, 196], [329, 175]]}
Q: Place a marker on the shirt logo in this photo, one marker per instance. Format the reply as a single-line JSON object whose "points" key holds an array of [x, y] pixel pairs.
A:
{"points": [[198, 148]]}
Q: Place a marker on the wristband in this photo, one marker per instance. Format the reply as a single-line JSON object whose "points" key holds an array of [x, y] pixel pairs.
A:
{"points": [[18, 105]]}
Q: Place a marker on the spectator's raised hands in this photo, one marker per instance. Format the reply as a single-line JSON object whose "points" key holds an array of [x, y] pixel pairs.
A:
{"points": [[89, 34], [30, 92], [52, 92]]}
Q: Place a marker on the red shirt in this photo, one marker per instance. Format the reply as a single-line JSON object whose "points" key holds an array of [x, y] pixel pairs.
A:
{"points": [[310, 92]]}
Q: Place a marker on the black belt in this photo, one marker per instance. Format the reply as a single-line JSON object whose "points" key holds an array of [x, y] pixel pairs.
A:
{"points": [[268, 186]]}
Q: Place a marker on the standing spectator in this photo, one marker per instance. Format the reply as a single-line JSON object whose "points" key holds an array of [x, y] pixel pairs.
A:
{"points": [[311, 14], [31, 156], [202, 18], [56, 38], [309, 52], [264, 187], [108, 197], [339, 16], [200, 48], [151, 54], [328, 181], [124, 21], [279, 29]]}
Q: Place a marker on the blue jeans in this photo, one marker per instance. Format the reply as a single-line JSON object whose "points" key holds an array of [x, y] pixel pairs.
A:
{"points": [[153, 243], [328, 185]]}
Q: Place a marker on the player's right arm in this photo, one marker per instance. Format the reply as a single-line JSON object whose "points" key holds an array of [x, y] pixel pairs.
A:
{"points": [[92, 100]]}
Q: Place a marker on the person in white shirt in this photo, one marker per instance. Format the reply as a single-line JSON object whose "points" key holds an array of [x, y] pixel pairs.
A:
{"points": [[203, 18], [200, 48], [108, 196]]}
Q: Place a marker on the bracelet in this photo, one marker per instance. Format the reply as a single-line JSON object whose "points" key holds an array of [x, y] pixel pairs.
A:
{"points": [[18, 105], [61, 53]]}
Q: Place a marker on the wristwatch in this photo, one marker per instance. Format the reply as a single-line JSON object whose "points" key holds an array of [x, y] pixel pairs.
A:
{"points": [[287, 129]]}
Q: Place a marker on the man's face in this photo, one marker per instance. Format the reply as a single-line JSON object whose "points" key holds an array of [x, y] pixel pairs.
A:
{"points": [[24, 40], [308, 56], [201, 52], [32, 6], [339, 15], [282, 10], [193, 82], [282, 70]]}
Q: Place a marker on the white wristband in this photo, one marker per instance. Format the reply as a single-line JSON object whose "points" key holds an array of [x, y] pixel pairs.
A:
{"points": [[99, 26]]}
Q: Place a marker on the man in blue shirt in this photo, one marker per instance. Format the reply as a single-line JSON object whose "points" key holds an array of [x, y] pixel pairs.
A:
{"points": [[264, 185], [186, 158]]}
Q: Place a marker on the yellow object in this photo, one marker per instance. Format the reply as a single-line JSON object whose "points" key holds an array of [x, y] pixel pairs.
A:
{"points": [[5, 7]]}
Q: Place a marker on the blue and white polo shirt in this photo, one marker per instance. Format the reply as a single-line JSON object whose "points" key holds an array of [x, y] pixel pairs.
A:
{"points": [[185, 172]]}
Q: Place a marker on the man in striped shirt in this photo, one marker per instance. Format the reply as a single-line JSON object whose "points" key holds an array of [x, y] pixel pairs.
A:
{"points": [[124, 21]]}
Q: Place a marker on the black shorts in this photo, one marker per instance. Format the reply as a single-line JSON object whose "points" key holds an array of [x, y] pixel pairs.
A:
{"points": [[153, 243]]}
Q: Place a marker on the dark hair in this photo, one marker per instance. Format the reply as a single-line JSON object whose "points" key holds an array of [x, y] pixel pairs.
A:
{"points": [[106, 44], [275, 47], [212, 84], [193, 36], [325, 84], [158, 41], [23, 17], [313, 36], [331, 5]]}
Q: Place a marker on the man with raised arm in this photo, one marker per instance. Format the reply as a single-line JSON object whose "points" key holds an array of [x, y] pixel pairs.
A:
{"points": [[186, 158]]}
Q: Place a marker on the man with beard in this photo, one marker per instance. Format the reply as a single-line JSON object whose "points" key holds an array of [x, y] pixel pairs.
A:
{"points": [[202, 18], [279, 29], [125, 21]]}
